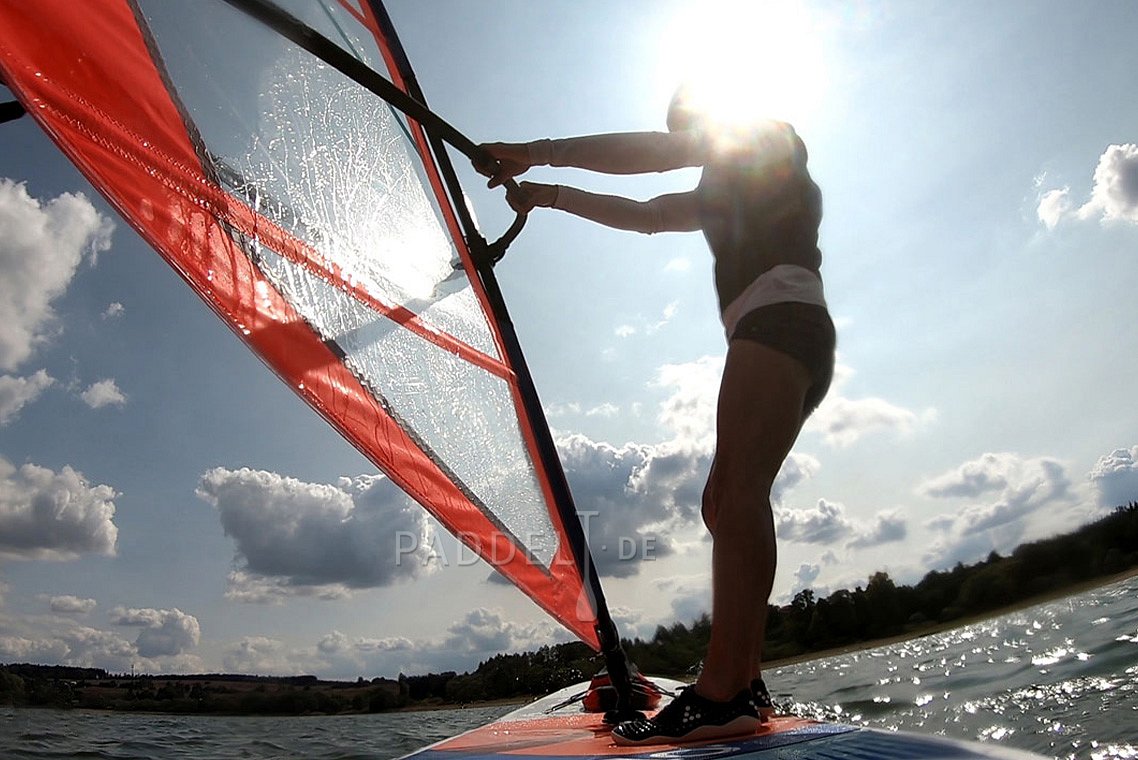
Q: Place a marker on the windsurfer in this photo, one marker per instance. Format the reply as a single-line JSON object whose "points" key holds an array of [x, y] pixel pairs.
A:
{"points": [[759, 211]]}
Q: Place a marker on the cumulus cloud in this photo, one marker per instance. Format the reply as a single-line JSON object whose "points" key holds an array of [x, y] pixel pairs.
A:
{"points": [[690, 595], [795, 469], [887, 527], [163, 632], [1114, 195], [631, 498], [643, 502], [18, 392], [41, 247], [113, 311], [631, 623], [54, 515], [72, 605], [261, 655], [828, 524], [648, 326], [843, 421], [806, 574], [478, 635], [1116, 477], [825, 523], [1054, 205], [689, 412], [306, 539], [1000, 491], [103, 393], [485, 631], [82, 646]]}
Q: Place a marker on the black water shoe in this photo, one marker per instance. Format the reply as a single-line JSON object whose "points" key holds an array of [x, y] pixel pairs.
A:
{"points": [[692, 718], [763, 702]]}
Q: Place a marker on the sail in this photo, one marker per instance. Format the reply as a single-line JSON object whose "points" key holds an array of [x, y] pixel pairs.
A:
{"points": [[310, 215]]}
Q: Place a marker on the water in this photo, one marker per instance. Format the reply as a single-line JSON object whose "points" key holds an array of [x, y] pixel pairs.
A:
{"points": [[1060, 679]]}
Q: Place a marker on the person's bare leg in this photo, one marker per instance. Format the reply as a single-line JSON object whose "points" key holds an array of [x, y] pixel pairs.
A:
{"points": [[758, 419]]}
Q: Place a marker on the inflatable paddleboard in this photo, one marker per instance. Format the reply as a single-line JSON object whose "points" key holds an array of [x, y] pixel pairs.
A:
{"points": [[540, 732]]}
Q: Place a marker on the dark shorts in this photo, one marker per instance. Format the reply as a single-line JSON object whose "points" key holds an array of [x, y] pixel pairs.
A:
{"points": [[800, 330]]}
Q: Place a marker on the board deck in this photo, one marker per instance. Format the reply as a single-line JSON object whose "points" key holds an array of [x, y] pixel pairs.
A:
{"points": [[534, 732]]}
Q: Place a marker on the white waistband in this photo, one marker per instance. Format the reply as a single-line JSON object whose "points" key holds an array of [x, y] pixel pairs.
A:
{"points": [[781, 284]]}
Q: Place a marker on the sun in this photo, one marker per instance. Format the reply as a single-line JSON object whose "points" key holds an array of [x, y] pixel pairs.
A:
{"points": [[747, 59]]}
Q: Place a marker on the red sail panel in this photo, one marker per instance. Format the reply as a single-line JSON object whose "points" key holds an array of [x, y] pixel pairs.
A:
{"points": [[131, 115]]}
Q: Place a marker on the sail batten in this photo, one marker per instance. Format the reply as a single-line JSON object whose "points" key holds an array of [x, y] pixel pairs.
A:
{"points": [[312, 220]]}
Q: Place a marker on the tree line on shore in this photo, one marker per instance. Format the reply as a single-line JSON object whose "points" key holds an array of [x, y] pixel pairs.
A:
{"points": [[807, 624]]}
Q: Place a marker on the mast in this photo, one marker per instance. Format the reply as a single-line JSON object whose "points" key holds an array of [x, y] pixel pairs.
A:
{"points": [[616, 661]]}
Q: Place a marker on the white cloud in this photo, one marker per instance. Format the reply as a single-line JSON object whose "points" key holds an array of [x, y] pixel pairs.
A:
{"points": [[666, 316], [305, 539], [103, 393], [480, 634], [631, 498], [1053, 207], [260, 655], [41, 246], [18, 392], [690, 595], [843, 421], [72, 605], [56, 516], [66, 643], [164, 632], [689, 412], [1116, 477], [797, 468], [24, 649], [648, 327], [113, 311], [805, 575], [624, 331], [631, 623], [603, 410], [991, 472], [678, 264], [1001, 491], [888, 526], [1115, 193], [486, 632], [825, 523], [643, 501], [1114, 196]]}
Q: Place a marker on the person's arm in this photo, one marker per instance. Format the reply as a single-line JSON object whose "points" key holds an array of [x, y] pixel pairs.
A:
{"points": [[675, 212], [619, 153], [622, 153]]}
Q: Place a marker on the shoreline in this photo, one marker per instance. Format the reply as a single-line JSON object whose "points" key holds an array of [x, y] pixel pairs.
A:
{"points": [[251, 686], [935, 628], [861, 646]]}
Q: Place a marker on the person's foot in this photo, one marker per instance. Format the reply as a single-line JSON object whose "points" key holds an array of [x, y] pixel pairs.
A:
{"points": [[691, 718], [762, 698]]}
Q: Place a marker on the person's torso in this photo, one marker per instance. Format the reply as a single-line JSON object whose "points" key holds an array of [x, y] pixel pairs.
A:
{"points": [[760, 209]]}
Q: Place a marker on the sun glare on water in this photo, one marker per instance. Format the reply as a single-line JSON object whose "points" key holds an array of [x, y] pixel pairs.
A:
{"points": [[748, 59]]}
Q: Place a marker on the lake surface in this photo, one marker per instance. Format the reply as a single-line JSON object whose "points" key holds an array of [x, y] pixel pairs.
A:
{"points": [[1060, 679]]}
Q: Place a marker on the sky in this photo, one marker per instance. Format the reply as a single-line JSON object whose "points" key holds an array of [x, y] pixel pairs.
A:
{"points": [[979, 167]]}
